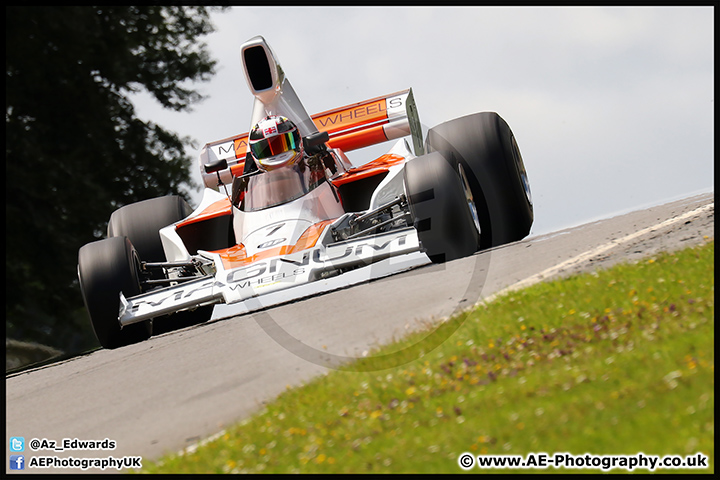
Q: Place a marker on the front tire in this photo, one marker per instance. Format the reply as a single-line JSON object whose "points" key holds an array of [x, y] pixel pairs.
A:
{"points": [[106, 268], [441, 208], [485, 145]]}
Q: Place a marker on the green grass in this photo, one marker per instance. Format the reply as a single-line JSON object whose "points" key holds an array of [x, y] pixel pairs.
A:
{"points": [[619, 361]]}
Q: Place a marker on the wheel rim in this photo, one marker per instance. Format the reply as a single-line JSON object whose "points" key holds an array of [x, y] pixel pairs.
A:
{"points": [[469, 198], [521, 170], [137, 267]]}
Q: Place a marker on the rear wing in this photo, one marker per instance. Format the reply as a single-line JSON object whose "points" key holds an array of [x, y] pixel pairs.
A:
{"points": [[351, 127]]}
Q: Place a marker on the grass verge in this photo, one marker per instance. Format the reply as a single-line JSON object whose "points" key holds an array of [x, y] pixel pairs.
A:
{"points": [[615, 362]]}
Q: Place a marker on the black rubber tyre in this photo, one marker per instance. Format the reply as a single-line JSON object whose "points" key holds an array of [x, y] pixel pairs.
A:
{"points": [[106, 268], [484, 144], [142, 221], [439, 206]]}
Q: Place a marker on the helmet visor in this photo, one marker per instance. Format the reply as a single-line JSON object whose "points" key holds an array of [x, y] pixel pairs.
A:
{"points": [[269, 147]]}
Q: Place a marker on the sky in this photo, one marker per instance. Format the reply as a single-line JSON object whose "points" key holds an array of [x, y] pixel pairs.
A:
{"points": [[612, 107]]}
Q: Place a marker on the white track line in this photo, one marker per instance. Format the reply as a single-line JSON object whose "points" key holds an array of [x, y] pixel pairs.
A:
{"points": [[592, 253]]}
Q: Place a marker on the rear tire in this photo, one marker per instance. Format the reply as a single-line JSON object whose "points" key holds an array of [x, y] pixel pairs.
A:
{"points": [[485, 145], [106, 268], [141, 223], [440, 208]]}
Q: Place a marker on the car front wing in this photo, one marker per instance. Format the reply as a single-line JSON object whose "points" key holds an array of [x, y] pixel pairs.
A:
{"points": [[266, 276]]}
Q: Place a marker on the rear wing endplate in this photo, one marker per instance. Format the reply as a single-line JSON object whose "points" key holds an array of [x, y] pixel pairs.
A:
{"points": [[351, 127]]}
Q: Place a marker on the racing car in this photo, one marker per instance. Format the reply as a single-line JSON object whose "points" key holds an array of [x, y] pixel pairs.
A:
{"points": [[297, 210]]}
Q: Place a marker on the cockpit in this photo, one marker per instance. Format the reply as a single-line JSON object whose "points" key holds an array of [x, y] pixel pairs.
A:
{"points": [[263, 190]]}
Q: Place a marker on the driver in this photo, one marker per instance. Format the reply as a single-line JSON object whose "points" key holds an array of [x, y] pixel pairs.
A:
{"points": [[276, 152], [274, 143]]}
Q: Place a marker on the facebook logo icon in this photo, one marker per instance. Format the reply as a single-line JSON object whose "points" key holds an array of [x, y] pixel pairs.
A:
{"points": [[17, 444], [17, 462]]}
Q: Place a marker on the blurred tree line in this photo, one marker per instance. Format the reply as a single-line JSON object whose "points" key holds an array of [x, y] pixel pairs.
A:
{"points": [[74, 149]]}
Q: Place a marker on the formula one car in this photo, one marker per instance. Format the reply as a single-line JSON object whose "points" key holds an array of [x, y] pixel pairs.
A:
{"points": [[299, 211]]}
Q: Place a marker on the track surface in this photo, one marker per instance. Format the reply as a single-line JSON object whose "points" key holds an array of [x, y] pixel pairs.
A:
{"points": [[177, 388]]}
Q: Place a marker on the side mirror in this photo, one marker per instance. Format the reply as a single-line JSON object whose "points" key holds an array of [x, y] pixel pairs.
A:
{"points": [[216, 166], [315, 142]]}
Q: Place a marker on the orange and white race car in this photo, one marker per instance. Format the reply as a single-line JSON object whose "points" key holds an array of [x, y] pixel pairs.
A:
{"points": [[297, 211]]}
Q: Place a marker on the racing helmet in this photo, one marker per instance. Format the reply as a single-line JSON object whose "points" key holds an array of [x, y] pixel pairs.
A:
{"points": [[275, 142]]}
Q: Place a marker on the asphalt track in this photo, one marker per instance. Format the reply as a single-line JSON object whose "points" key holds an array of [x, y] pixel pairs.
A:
{"points": [[178, 388]]}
